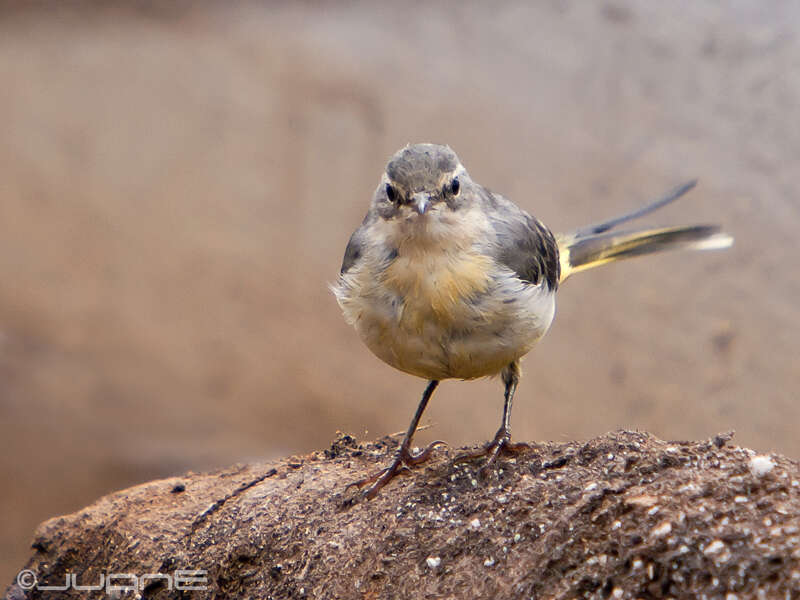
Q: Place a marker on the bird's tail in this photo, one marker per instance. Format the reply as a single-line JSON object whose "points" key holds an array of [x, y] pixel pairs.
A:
{"points": [[594, 246]]}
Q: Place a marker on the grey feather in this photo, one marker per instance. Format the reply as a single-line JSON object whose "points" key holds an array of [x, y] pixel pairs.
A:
{"points": [[419, 167], [354, 250], [669, 197], [524, 244]]}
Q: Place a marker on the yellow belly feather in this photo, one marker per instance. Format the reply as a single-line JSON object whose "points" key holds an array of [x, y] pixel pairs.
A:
{"points": [[437, 285]]}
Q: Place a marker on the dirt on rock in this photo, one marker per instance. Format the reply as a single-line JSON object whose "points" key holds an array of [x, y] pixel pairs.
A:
{"points": [[625, 515]]}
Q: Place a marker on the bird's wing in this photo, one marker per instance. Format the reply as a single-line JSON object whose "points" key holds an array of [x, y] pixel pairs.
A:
{"points": [[523, 243], [354, 250]]}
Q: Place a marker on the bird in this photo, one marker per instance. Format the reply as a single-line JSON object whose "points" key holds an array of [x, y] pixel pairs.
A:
{"points": [[445, 279]]}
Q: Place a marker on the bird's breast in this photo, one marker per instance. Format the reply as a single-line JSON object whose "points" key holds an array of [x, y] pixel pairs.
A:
{"points": [[437, 285]]}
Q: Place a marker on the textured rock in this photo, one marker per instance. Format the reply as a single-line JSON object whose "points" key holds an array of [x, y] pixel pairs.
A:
{"points": [[625, 515]]}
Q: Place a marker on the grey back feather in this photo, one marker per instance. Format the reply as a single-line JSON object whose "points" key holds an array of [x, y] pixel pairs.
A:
{"points": [[524, 244]]}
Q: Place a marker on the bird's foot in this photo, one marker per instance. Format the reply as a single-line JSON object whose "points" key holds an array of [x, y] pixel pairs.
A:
{"points": [[403, 461], [501, 444]]}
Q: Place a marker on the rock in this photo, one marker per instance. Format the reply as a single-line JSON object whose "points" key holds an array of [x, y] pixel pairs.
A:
{"points": [[625, 515]]}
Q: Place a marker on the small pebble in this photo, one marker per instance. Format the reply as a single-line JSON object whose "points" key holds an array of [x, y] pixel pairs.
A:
{"points": [[714, 547], [761, 465], [433, 561], [661, 530]]}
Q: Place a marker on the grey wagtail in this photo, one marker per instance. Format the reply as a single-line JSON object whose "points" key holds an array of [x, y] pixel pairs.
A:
{"points": [[445, 279]]}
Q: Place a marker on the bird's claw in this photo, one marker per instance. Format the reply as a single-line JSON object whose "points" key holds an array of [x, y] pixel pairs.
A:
{"points": [[403, 461], [501, 444]]}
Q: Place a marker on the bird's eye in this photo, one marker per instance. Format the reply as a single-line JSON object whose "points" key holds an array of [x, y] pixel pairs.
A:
{"points": [[455, 186], [391, 193]]}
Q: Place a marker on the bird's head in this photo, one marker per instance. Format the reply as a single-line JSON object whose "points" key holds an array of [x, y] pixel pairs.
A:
{"points": [[422, 183]]}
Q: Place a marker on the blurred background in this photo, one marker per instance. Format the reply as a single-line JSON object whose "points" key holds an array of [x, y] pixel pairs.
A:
{"points": [[178, 182]]}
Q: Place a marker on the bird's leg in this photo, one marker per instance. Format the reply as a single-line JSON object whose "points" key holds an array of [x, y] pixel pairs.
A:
{"points": [[502, 439], [403, 458]]}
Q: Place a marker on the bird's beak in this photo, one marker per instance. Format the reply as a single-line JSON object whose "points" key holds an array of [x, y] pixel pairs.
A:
{"points": [[421, 202]]}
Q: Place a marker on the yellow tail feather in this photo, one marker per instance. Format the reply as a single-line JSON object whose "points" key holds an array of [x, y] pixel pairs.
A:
{"points": [[580, 251]]}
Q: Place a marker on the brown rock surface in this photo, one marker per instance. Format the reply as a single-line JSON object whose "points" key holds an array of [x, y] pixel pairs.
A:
{"points": [[625, 515]]}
